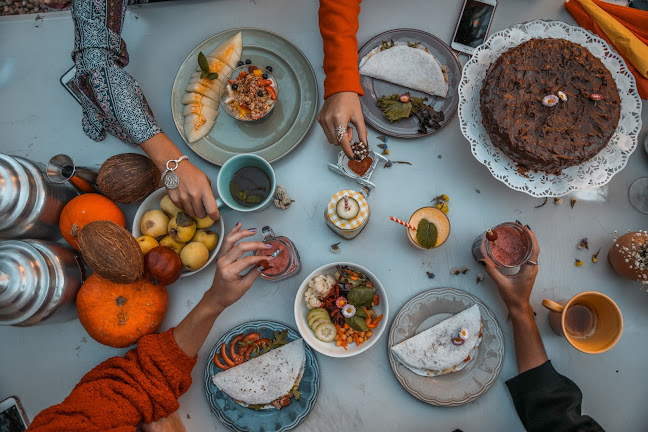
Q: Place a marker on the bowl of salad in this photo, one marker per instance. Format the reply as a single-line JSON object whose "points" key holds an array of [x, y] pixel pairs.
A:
{"points": [[341, 309], [249, 93]]}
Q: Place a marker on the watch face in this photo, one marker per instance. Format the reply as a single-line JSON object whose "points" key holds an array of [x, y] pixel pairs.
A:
{"points": [[171, 180]]}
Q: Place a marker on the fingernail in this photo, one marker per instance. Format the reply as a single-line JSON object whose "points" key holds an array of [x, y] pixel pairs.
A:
{"points": [[260, 268], [268, 245], [518, 222], [528, 227], [238, 223], [252, 230], [483, 263]]}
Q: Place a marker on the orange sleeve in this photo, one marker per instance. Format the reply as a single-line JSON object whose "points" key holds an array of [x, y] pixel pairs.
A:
{"points": [[338, 23], [121, 392]]}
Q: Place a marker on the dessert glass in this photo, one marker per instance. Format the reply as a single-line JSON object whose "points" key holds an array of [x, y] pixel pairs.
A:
{"points": [[512, 248], [435, 216], [225, 95], [347, 228], [286, 263]]}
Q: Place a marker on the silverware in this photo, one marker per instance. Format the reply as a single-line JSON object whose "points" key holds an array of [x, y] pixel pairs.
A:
{"points": [[39, 281], [30, 204]]}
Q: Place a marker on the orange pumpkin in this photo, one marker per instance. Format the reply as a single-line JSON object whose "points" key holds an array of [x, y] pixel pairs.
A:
{"points": [[118, 315], [84, 209]]}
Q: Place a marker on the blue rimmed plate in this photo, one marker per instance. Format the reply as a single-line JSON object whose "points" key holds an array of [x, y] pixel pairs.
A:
{"points": [[241, 419]]}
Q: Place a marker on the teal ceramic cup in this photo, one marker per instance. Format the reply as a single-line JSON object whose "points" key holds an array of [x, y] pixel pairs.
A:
{"points": [[230, 168]]}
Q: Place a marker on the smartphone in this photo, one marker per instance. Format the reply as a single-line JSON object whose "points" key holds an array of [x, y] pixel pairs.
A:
{"points": [[473, 25], [68, 82], [12, 417]]}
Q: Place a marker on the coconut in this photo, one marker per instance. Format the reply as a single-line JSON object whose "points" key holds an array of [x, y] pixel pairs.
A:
{"points": [[111, 252], [128, 178]]}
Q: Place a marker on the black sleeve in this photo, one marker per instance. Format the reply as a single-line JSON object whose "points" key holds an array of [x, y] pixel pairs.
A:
{"points": [[548, 401]]}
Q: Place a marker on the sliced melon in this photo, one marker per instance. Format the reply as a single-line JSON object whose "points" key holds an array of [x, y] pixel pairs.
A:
{"points": [[203, 90], [207, 112], [230, 51], [195, 98], [212, 84], [215, 65], [197, 126]]}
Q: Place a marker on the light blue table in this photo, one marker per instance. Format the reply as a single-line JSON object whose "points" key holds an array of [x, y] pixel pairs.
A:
{"points": [[38, 119]]}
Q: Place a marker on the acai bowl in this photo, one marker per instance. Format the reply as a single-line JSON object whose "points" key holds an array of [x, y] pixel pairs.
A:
{"points": [[249, 93], [341, 301]]}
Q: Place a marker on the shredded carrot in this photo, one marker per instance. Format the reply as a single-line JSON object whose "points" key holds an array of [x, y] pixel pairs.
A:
{"points": [[355, 337], [375, 322], [368, 319]]}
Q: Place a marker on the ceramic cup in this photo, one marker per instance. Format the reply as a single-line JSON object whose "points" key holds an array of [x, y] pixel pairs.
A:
{"points": [[228, 170], [590, 321]]}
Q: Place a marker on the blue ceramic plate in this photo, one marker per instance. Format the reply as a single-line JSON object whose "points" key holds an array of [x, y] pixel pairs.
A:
{"points": [[241, 419]]}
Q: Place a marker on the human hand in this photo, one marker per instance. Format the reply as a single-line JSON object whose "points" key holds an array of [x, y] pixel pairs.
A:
{"points": [[340, 109], [194, 193], [515, 290], [171, 423], [229, 285]]}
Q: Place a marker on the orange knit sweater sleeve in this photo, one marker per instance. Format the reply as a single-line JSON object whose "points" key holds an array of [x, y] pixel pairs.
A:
{"points": [[121, 392], [338, 23]]}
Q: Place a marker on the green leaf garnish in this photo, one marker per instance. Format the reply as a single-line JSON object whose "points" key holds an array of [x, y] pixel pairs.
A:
{"points": [[203, 64], [426, 234], [361, 313], [386, 45], [357, 323], [393, 109], [254, 199], [212, 76], [413, 45], [361, 297]]}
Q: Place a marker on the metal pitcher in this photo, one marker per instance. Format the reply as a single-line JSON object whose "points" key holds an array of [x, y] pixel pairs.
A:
{"points": [[30, 204], [39, 281]]}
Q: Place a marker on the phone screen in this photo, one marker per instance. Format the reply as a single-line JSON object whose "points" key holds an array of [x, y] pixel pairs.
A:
{"points": [[10, 420], [473, 24]]}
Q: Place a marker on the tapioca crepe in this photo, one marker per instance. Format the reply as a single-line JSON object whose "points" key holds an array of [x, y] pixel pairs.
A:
{"points": [[432, 352], [407, 65], [264, 379]]}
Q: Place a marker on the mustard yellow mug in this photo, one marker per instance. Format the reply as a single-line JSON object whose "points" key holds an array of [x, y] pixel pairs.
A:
{"points": [[590, 321]]}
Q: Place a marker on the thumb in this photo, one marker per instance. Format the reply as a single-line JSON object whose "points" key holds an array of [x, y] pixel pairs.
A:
{"points": [[492, 271], [358, 122]]}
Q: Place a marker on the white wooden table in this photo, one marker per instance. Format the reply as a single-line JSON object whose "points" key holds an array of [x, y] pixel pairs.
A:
{"points": [[38, 119]]}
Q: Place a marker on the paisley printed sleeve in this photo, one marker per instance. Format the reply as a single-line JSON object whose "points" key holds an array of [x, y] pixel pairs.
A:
{"points": [[112, 100]]}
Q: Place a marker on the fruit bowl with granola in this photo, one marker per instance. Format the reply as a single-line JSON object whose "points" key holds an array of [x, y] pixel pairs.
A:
{"points": [[249, 93]]}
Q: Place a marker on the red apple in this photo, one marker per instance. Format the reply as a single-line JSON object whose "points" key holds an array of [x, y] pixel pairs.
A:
{"points": [[163, 266]]}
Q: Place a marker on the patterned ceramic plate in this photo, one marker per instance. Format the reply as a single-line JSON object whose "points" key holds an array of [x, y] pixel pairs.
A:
{"points": [[293, 114], [458, 388], [374, 88], [242, 419]]}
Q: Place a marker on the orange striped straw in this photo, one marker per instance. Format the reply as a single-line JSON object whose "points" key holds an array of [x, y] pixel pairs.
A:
{"points": [[412, 227]]}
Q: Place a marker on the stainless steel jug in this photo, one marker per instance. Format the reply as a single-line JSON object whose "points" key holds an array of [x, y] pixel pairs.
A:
{"points": [[39, 281], [30, 204]]}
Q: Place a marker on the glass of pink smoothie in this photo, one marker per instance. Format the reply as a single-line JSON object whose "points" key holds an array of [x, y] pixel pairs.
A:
{"points": [[511, 249], [286, 261]]}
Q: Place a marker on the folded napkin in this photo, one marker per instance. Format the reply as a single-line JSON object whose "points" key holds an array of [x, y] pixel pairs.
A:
{"points": [[626, 29]]}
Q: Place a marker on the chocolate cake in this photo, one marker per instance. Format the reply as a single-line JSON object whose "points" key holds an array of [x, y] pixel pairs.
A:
{"points": [[549, 138]]}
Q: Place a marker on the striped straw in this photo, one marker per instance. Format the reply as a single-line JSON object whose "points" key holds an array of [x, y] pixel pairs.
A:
{"points": [[274, 255], [412, 227]]}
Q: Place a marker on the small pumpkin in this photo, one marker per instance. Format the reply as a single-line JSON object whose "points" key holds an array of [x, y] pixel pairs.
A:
{"points": [[86, 208], [118, 315], [128, 178], [111, 251]]}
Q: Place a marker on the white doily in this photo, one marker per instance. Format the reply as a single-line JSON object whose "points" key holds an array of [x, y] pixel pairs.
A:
{"points": [[593, 173]]}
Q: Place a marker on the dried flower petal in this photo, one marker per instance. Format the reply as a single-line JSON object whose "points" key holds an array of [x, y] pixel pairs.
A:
{"points": [[388, 164], [562, 96], [455, 271], [573, 202], [382, 138], [430, 275], [543, 203], [335, 248], [596, 96], [464, 269], [282, 199], [348, 311], [386, 151], [595, 256], [341, 302], [458, 341], [583, 244], [480, 277], [550, 100], [382, 146], [578, 263], [558, 201]]}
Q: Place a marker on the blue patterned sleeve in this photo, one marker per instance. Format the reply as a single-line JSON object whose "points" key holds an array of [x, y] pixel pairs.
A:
{"points": [[112, 100]]}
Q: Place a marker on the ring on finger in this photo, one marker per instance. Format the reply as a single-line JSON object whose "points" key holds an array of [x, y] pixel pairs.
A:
{"points": [[531, 262], [339, 132]]}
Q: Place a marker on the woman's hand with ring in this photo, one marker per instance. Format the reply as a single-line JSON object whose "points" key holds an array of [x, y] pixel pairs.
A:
{"points": [[340, 109]]}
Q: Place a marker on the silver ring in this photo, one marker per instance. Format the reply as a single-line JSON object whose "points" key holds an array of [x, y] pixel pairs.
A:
{"points": [[339, 132], [531, 262]]}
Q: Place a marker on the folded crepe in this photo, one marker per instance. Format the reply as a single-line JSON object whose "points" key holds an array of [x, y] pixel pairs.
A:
{"points": [[265, 379], [432, 352], [408, 66]]}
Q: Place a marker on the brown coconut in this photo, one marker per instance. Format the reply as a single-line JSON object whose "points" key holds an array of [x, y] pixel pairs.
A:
{"points": [[128, 178], [111, 252]]}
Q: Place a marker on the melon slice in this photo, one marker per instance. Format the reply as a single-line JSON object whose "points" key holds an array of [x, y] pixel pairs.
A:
{"points": [[197, 126], [195, 98], [229, 52]]}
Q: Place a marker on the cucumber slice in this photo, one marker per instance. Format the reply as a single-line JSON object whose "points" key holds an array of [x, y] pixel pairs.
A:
{"points": [[315, 311], [319, 321], [314, 318], [326, 332], [351, 212]]}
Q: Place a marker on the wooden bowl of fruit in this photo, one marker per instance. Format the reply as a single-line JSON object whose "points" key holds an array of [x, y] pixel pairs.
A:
{"points": [[158, 222]]}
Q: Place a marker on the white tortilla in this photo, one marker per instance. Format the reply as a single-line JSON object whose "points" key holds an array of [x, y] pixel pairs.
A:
{"points": [[432, 353], [408, 67], [265, 378], [230, 51]]}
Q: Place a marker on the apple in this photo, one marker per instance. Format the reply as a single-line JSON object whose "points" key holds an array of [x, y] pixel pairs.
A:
{"points": [[205, 222], [194, 256], [147, 243], [169, 208], [163, 266], [207, 237], [169, 242], [182, 227], [154, 224]]}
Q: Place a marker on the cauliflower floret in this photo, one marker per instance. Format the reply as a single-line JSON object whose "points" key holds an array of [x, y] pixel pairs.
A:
{"points": [[321, 284], [312, 301]]}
